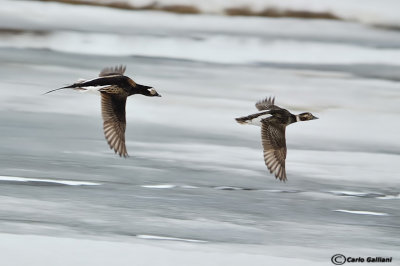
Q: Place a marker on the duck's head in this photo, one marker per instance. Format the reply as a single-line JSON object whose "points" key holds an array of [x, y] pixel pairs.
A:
{"points": [[306, 116], [147, 90]]}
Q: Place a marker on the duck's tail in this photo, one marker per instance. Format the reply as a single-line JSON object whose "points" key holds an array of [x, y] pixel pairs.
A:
{"points": [[254, 119], [76, 86], [73, 86], [242, 120]]}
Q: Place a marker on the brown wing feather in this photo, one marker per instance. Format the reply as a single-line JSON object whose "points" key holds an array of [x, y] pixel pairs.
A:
{"points": [[114, 89], [109, 71], [274, 144], [114, 122], [266, 104]]}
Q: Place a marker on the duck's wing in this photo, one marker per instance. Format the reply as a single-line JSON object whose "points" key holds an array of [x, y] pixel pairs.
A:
{"points": [[274, 144], [266, 104], [111, 71], [114, 121]]}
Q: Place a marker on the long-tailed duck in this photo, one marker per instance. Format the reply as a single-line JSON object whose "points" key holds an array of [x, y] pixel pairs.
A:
{"points": [[273, 121], [114, 88]]}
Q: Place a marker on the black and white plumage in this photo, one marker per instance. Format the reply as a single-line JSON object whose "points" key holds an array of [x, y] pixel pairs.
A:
{"points": [[114, 89], [273, 121]]}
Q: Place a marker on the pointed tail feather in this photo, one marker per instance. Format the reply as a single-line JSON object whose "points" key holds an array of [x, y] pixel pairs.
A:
{"points": [[242, 120], [67, 87]]}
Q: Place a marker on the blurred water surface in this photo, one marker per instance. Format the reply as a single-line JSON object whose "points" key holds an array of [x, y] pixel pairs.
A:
{"points": [[193, 173]]}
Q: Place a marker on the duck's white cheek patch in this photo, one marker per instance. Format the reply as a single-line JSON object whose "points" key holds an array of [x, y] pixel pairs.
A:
{"points": [[298, 118]]}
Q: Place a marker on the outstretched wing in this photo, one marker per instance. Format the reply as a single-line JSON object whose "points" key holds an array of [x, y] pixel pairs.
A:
{"points": [[266, 104], [114, 122], [110, 71], [274, 144]]}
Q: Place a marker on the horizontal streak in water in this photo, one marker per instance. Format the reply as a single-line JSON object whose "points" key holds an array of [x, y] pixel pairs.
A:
{"points": [[63, 182], [363, 212], [153, 237]]}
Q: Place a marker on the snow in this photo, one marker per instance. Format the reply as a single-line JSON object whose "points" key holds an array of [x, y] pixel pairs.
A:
{"points": [[228, 188], [55, 181], [389, 197], [354, 193], [167, 186], [153, 237], [363, 212], [160, 186], [203, 178], [34, 250], [211, 49], [203, 38], [382, 12]]}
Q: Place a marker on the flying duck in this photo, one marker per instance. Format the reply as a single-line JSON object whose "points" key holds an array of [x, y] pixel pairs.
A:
{"points": [[114, 89], [273, 121]]}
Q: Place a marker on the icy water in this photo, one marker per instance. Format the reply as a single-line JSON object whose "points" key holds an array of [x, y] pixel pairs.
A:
{"points": [[193, 173]]}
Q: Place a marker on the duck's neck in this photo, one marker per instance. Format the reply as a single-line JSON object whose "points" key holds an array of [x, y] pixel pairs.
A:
{"points": [[140, 89], [294, 119]]}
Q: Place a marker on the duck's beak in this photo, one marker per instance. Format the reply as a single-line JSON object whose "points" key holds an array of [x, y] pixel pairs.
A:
{"points": [[153, 92], [314, 117]]}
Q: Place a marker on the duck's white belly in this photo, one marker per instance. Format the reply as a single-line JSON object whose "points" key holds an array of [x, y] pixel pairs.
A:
{"points": [[257, 120], [93, 89]]}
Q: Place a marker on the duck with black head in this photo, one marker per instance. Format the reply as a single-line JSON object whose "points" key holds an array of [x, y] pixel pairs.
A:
{"points": [[114, 89], [273, 121]]}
